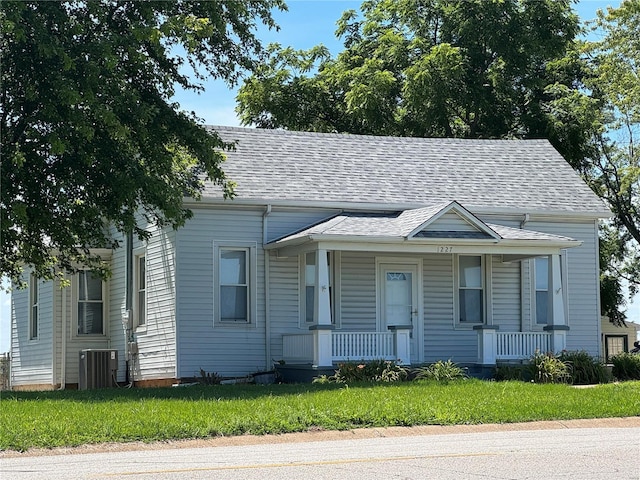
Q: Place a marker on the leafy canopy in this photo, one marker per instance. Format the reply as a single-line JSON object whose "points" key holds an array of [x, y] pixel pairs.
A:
{"points": [[90, 135], [431, 68], [614, 173]]}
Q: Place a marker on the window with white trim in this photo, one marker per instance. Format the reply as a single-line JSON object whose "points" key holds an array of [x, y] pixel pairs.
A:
{"points": [[541, 269], [90, 300], [471, 291], [141, 290], [308, 290], [33, 307], [540, 290], [235, 284]]}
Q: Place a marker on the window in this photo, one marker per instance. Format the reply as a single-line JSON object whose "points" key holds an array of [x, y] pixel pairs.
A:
{"points": [[470, 289], [615, 344], [308, 289], [234, 287], [90, 304], [141, 290], [33, 307], [235, 283], [542, 290]]}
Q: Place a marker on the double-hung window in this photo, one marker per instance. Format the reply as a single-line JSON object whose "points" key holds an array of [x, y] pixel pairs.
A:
{"points": [[141, 290], [33, 307], [90, 304], [542, 290], [308, 267], [470, 289], [235, 294]]}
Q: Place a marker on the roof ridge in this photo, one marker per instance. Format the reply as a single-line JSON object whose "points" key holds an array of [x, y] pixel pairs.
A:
{"points": [[393, 138]]}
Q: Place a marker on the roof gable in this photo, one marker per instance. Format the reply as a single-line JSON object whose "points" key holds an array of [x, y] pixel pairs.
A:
{"points": [[452, 221]]}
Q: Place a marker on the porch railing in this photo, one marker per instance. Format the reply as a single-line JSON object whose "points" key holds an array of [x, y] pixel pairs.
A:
{"points": [[521, 345], [363, 345], [344, 346]]}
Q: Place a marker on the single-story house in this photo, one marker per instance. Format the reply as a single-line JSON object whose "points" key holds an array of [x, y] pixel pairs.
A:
{"points": [[336, 247]]}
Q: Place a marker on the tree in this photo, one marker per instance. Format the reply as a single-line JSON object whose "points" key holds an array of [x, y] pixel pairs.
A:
{"points": [[433, 68], [605, 108], [90, 135], [614, 174]]}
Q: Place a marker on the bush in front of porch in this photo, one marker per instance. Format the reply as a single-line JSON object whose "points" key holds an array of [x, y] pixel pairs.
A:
{"points": [[626, 366], [572, 367]]}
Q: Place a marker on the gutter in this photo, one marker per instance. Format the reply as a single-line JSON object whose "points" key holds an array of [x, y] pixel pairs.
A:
{"points": [[389, 207]]}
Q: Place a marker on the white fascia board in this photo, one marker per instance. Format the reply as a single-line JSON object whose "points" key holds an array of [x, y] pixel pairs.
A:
{"points": [[527, 248], [389, 207]]}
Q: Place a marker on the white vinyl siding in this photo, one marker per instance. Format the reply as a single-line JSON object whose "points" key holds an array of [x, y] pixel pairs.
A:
{"points": [[32, 361], [227, 348], [505, 294], [156, 340]]}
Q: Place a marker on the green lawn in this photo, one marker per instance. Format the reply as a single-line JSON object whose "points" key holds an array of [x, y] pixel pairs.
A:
{"points": [[68, 418]]}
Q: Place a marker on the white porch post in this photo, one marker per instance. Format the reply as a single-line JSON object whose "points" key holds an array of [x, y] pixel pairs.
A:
{"points": [[557, 321], [322, 354], [487, 344]]}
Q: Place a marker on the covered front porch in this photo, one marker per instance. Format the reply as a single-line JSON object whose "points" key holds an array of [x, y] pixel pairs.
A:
{"points": [[432, 273]]}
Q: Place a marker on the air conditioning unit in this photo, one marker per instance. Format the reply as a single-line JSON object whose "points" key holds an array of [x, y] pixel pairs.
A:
{"points": [[97, 368]]}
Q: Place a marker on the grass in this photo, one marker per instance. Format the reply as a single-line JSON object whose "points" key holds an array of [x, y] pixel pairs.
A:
{"points": [[70, 418]]}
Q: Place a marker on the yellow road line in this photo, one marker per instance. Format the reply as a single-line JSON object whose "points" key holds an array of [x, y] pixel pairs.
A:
{"points": [[297, 464]]}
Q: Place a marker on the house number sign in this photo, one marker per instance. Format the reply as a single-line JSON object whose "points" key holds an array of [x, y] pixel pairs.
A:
{"points": [[445, 249]]}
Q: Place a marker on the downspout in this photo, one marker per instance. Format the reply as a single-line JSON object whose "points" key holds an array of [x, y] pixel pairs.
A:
{"points": [[267, 300], [63, 364], [127, 321]]}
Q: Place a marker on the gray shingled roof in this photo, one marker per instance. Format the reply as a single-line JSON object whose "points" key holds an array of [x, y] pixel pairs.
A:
{"points": [[501, 175]]}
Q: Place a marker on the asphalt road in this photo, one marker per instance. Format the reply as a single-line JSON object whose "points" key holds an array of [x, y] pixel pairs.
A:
{"points": [[525, 452]]}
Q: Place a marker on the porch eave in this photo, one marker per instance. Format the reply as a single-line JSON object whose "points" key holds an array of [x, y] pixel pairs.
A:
{"points": [[507, 247]]}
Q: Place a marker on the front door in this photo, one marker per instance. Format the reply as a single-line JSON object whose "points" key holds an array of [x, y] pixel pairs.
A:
{"points": [[399, 301]]}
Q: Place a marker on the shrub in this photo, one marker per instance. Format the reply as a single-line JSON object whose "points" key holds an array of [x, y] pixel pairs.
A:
{"points": [[440, 372], [547, 368], [209, 378], [505, 373], [373, 371], [585, 369], [626, 366]]}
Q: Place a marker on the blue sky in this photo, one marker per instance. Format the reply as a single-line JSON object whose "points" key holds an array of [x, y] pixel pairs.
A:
{"points": [[307, 23]]}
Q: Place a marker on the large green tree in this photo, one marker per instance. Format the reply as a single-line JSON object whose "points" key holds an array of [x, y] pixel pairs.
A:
{"points": [[90, 134], [472, 68], [615, 172]]}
